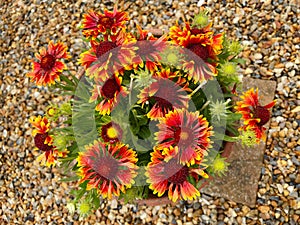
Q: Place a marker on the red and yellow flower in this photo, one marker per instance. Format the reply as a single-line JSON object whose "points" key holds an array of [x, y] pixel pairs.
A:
{"points": [[111, 55], [204, 47], [109, 91], [254, 115], [165, 94], [95, 23], [187, 130], [49, 67], [44, 142], [167, 174], [148, 50], [108, 168], [111, 132]]}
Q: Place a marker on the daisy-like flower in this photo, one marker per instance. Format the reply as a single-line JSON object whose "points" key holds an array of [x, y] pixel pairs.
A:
{"points": [[111, 55], [205, 47], [110, 91], [187, 130], [254, 115], [148, 49], [171, 176], [95, 23], [44, 142], [111, 132], [164, 94], [107, 168], [48, 68]]}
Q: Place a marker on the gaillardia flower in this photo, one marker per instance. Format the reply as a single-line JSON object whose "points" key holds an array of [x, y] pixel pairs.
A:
{"points": [[44, 142], [107, 168], [254, 115], [109, 56], [148, 50], [187, 130], [48, 68], [204, 47], [110, 92], [165, 95], [111, 132], [169, 175], [95, 23]]}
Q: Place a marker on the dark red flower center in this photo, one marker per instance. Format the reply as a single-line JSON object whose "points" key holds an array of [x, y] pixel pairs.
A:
{"points": [[104, 47], [106, 22], [110, 88], [106, 167], [263, 114], [199, 50], [39, 140], [176, 172], [48, 62], [163, 104], [196, 31], [167, 96]]}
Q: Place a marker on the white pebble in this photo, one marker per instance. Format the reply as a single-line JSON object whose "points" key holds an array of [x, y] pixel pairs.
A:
{"points": [[280, 188], [289, 65]]}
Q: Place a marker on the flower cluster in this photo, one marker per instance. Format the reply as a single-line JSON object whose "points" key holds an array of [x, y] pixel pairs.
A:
{"points": [[149, 114]]}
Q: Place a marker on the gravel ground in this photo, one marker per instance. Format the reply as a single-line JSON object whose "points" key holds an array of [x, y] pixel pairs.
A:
{"points": [[30, 194]]}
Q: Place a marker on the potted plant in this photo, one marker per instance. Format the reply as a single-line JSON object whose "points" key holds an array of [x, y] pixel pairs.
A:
{"points": [[146, 116]]}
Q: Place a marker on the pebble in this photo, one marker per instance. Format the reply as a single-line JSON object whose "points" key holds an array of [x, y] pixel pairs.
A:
{"points": [[205, 217]]}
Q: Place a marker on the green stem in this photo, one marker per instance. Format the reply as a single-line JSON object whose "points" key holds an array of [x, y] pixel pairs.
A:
{"points": [[130, 89], [197, 89]]}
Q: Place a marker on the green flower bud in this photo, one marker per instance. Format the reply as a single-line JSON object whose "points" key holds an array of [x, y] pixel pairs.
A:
{"points": [[219, 109], [84, 208], [201, 20], [219, 166], [66, 108], [234, 48], [143, 78], [248, 138]]}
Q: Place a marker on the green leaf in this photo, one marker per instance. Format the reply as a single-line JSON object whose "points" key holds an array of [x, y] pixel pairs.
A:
{"points": [[232, 129], [133, 121], [67, 80], [232, 117], [138, 147], [229, 139], [191, 180], [68, 179], [96, 200], [239, 60], [143, 120], [144, 132]]}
